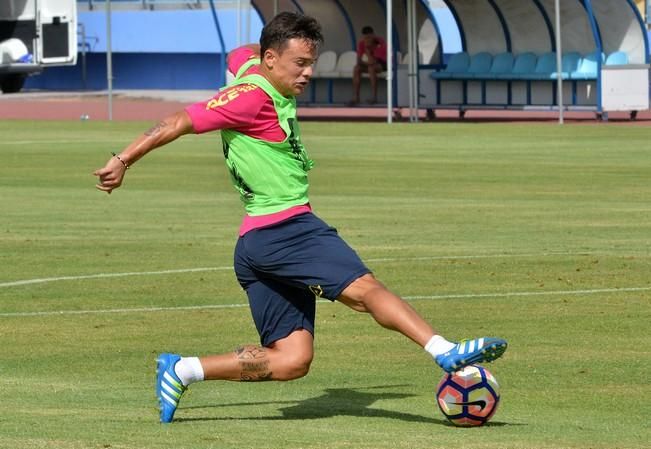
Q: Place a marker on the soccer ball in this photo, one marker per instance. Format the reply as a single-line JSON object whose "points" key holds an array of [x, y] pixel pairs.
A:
{"points": [[468, 397]]}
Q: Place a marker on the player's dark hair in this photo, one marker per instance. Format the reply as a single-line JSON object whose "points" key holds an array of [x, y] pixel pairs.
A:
{"points": [[368, 30], [286, 26]]}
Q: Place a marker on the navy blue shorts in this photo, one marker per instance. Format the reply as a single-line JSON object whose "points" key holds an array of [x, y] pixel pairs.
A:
{"points": [[284, 267]]}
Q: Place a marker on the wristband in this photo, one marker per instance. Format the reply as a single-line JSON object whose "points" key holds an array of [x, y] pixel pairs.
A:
{"points": [[119, 159]]}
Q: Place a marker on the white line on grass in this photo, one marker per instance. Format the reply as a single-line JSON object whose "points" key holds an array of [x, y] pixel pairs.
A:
{"points": [[125, 310], [408, 298], [537, 293], [477, 256], [56, 142], [197, 270], [110, 275]]}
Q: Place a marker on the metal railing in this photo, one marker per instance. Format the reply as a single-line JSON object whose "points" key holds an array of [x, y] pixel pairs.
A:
{"points": [[155, 4], [85, 44]]}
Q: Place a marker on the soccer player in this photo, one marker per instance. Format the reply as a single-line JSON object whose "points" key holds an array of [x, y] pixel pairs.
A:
{"points": [[285, 256]]}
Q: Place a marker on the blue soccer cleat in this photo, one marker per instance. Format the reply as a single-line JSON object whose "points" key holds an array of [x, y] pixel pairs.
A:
{"points": [[470, 352], [169, 388]]}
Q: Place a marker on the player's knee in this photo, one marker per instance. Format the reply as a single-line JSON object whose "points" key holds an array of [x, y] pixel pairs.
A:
{"points": [[295, 366], [300, 365], [359, 293]]}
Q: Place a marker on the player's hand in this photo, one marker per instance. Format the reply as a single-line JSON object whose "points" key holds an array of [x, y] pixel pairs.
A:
{"points": [[110, 176]]}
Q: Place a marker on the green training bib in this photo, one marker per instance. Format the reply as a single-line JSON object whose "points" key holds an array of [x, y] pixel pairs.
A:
{"points": [[269, 176]]}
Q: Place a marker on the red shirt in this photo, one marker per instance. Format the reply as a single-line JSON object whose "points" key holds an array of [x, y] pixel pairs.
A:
{"points": [[379, 52], [249, 110], [245, 108]]}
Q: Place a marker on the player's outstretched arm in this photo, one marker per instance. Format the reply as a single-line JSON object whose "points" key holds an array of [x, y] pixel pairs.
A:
{"points": [[111, 175]]}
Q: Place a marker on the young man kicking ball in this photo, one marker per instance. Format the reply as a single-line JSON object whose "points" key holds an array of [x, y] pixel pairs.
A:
{"points": [[285, 256]]}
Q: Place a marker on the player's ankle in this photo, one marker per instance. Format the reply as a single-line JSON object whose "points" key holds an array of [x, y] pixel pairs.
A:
{"points": [[189, 370], [438, 345]]}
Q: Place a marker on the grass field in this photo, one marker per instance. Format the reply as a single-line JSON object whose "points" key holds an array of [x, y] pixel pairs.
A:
{"points": [[536, 233]]}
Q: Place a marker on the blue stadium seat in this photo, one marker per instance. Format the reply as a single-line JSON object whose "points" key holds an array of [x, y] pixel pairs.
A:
{"points": [[480, 64], [617, 58], [458, 63], [502, 64], [545, 66], [569, 65], [588, 66], [524, 64]]}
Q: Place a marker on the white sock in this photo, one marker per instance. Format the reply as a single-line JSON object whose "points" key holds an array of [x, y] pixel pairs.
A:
{"points": [[189, 370], [438, 345]]}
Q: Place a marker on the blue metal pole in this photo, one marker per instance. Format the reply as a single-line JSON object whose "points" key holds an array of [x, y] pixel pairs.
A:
{"points": [[559, 51], [109, 61], [221, 80]]}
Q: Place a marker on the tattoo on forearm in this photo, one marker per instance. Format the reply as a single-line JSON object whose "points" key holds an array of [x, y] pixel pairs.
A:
{"points": [[155, 129], [254, 363]]}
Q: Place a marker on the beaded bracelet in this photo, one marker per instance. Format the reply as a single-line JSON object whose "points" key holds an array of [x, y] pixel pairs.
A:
{"points": [[119, 159]]}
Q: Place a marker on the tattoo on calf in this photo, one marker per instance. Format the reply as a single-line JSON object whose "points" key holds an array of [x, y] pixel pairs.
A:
{"points": [[155, 129], [254, 364]]}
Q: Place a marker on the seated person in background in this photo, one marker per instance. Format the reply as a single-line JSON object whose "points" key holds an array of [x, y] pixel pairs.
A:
{"points": [[371, 59]]}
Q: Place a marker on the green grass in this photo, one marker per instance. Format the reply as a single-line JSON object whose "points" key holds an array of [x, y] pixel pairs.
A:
{"points": [[537, 233]]}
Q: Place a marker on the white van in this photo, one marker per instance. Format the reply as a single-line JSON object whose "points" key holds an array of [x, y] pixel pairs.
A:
{"points": [[35, 34]]}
